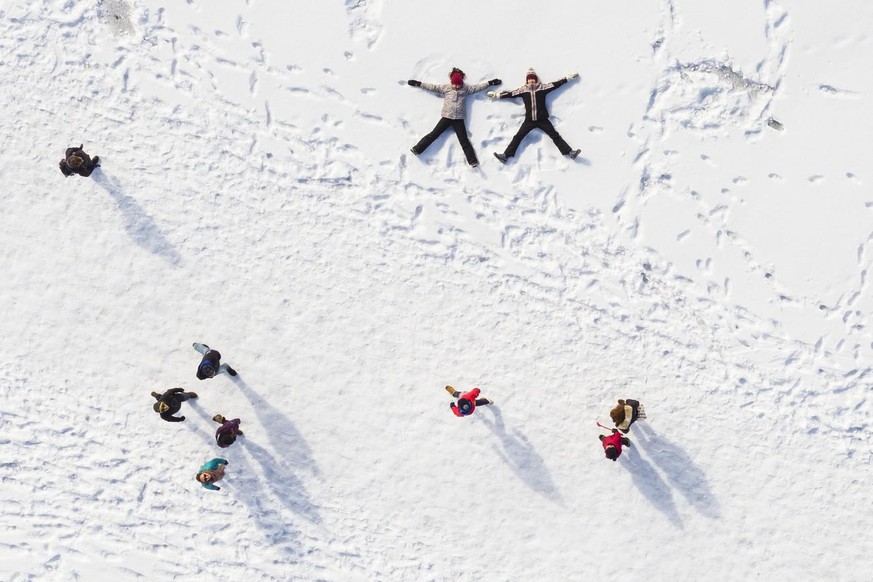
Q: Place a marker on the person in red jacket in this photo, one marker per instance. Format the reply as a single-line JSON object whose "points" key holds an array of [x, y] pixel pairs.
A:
{"points": [[612, 444], [467, 402]]}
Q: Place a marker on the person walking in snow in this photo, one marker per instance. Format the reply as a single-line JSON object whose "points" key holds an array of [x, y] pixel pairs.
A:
{"points": [[210, 472], [77, 161], [211, 364], [467, 402], [627, 412], [170, 402], [612, 444], [536, 115], [226, 434], [453, 113]]}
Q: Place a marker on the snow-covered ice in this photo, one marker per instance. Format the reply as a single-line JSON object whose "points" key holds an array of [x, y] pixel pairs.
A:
{"points": [[257, 194]]}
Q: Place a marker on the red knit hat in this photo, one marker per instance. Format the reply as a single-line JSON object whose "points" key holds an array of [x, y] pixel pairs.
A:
{"points": [[531, 75], [457, 78]]}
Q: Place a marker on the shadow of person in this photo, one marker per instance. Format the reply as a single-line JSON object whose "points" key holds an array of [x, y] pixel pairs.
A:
{"points": [[272, 479], [517, 452], [651, 485], [140, 227], [281, 432], [680, 470]]}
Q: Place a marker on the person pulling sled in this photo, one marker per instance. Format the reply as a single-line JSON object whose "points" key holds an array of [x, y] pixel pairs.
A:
{"points": [[612, 444], [467, 402]]}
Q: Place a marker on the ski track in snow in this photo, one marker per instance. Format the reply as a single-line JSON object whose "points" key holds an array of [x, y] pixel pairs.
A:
{"points": [[618, 316]]}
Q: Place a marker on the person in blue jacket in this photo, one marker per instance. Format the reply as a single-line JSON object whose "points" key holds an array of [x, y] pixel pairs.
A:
{"points": [[211, 364], [210, 472]]}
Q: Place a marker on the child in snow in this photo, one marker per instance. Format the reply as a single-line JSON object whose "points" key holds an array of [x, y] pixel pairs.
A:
{"points": [[211, 364], [612, 444], [226, 434], [453, 112], [77, 161], [536, 116], [627, 412], [170, 402], [210, 472], [468, 402]]}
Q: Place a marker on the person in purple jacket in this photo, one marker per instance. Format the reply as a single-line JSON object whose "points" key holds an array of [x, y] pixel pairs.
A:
{"points": [[227, 432]]}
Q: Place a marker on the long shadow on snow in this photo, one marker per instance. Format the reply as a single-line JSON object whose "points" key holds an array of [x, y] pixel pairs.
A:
{"points": [[680, 470], [139, 226], [251, 485], [517, 452], [283, 435], [651, 485]]}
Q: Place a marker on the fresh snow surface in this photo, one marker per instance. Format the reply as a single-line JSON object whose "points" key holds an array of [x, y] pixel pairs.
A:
{"points": [[257, 194]]}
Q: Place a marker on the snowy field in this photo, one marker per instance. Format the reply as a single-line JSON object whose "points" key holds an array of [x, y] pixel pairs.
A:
{"points": [[257, 194]]}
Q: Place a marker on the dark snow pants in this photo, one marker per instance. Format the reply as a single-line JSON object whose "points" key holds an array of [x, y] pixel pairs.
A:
{"points": [[528, 126], [460, 130]]}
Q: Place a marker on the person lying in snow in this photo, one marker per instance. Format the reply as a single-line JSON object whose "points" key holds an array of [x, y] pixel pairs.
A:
{"points": [[612, 444], [170, 402], [627, 412], [536, 115], [211, 364], [77, 161], [467, 402], [226, 434], [453, 113], [210, 472]]}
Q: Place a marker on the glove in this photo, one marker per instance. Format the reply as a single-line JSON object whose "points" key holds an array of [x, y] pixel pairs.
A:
{"points": [[493, 82], [181, 418], [572, 76], [413, 83], [492, 94]]}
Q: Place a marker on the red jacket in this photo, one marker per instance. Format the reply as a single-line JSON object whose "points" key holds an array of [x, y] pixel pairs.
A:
{"points": [[614, 439], [470, 397]]}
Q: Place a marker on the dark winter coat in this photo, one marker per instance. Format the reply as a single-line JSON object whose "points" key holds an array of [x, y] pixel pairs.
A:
{"points": [[230, 427], [625, 413], [616, 440], [534, 97], [470, 397], [172, 399], [77, 161], [209, 365]]}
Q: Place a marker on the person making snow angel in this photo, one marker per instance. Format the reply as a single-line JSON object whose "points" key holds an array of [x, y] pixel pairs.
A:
{"points": [[536, 116], [453, 113], [210, 472], [467, 402]]}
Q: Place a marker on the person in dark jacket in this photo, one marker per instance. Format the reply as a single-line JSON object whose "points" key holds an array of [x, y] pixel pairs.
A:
{"points": [[627, 412], [227, 432], [453, 113], [467, 402], [211, 364], [536, 115], [77, 161], [612, 444], [170, 402]]}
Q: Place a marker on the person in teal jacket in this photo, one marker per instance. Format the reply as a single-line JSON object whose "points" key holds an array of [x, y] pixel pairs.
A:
{"points": [[210, 472]]}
